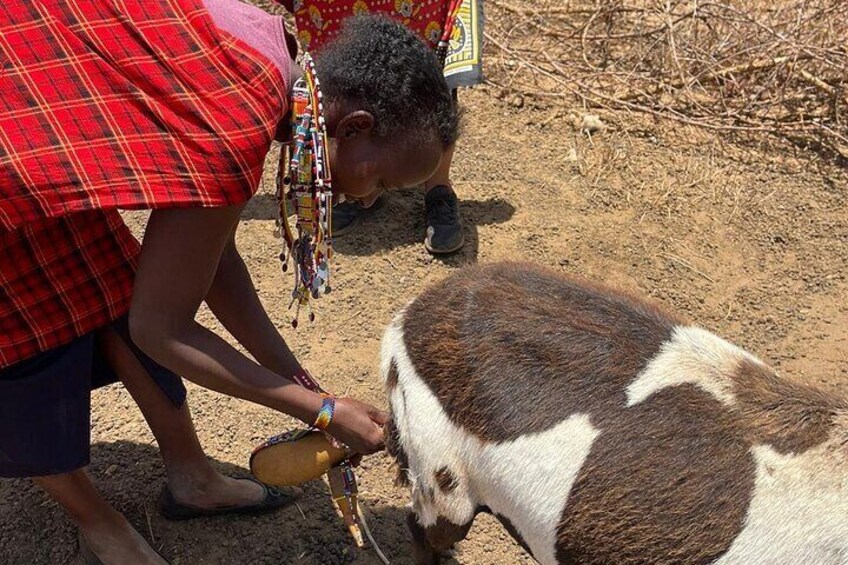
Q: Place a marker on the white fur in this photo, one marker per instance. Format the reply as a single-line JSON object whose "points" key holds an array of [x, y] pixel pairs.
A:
{"points": [[799, 513], [692, 355], [533, 500], [429, 439]]}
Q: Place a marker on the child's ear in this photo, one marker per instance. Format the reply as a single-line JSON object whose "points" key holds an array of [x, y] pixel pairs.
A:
{"points": [[354, 124]]}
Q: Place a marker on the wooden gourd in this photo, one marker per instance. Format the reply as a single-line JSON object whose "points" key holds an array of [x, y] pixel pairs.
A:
{"points": [[300, 460]]}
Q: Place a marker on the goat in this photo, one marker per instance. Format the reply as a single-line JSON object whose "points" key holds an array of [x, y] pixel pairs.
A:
{"points": [[600, 429]]}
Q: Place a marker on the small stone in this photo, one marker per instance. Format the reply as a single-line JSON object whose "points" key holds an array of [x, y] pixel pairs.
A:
{"points": [[592, 123]]}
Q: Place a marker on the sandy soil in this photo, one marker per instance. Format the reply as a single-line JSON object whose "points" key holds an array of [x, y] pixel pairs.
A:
{"points": [[749, 242]]}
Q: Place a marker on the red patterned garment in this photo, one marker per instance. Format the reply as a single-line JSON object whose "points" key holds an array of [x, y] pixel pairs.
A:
{"points": [[319, 20], [62, 278], [110, 104]]}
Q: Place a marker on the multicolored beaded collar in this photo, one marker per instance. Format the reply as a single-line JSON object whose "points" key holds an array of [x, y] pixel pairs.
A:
{"points": [[304, 184]]}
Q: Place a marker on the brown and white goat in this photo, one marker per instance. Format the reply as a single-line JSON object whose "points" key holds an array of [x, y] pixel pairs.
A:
{"points": [[600, 429]]}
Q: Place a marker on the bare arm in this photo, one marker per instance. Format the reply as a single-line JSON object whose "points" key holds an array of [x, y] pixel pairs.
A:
{"points": [[179, 261], [234, 301]]}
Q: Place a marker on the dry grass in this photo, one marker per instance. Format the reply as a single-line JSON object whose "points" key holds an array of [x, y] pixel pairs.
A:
{"points": [[751, 68]]}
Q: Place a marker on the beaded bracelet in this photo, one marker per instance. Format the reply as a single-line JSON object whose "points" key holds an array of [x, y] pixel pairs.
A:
{"points": [[325, 415]]}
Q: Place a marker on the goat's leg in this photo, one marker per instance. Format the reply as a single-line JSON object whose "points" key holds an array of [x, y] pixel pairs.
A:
{"points": [[428, 544]]}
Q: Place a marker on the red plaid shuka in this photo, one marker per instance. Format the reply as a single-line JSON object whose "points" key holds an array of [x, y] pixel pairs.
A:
{"points": [[112, 104], [62, 278]]}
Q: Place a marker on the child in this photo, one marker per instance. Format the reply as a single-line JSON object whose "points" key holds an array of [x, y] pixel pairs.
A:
{"points": [[319, 20], [170, 106]]}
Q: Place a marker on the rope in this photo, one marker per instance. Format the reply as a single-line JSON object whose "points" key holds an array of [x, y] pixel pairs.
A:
{"points": [[370, 537]]}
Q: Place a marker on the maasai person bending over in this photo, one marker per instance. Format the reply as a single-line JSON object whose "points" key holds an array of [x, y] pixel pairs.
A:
{"points": [[318, 21], [171, 106]]}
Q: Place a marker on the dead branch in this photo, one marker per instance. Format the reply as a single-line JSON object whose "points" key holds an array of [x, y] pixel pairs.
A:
{"points": [[726, 65], [744, 68]]}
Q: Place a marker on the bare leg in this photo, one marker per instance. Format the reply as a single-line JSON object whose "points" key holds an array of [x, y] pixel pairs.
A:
{"points": [[108, 534], [190, 476], [442, 174]]}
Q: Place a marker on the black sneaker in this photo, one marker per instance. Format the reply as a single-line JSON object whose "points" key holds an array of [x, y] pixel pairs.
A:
{"points": [[349, 213], [444, 226]]}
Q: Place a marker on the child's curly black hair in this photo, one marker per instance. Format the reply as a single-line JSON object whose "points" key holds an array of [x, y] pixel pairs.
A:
{"points": [[393, 74]]}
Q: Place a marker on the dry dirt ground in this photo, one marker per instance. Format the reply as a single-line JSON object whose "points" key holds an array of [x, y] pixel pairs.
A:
{"points": [[747, 242]]}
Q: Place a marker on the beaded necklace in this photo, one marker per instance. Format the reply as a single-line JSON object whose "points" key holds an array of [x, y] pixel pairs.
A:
{"points": [[304, 183], [304, 188]]}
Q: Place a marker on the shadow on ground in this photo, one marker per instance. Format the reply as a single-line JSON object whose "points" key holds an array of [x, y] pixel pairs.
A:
{"points": [[130, 476], [401, 223]]}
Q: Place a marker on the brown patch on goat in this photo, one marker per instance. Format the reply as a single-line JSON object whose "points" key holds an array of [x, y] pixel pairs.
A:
{"points": [[446, 480], [669, 480], [510, 349], [392, 436], [444, 534], [392, 378], [790, 417], [430, 543], [396, 451]]}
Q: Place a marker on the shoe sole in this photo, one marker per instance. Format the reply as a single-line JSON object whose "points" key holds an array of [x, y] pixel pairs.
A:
{"points": [[453, 249]]}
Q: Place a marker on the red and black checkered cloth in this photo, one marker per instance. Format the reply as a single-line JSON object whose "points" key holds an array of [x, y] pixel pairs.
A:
{"points": [[62, 278], [111, 104]]}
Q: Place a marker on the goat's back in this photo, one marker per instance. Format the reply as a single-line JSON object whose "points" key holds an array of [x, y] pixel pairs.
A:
{"points": [[600, 427]]}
